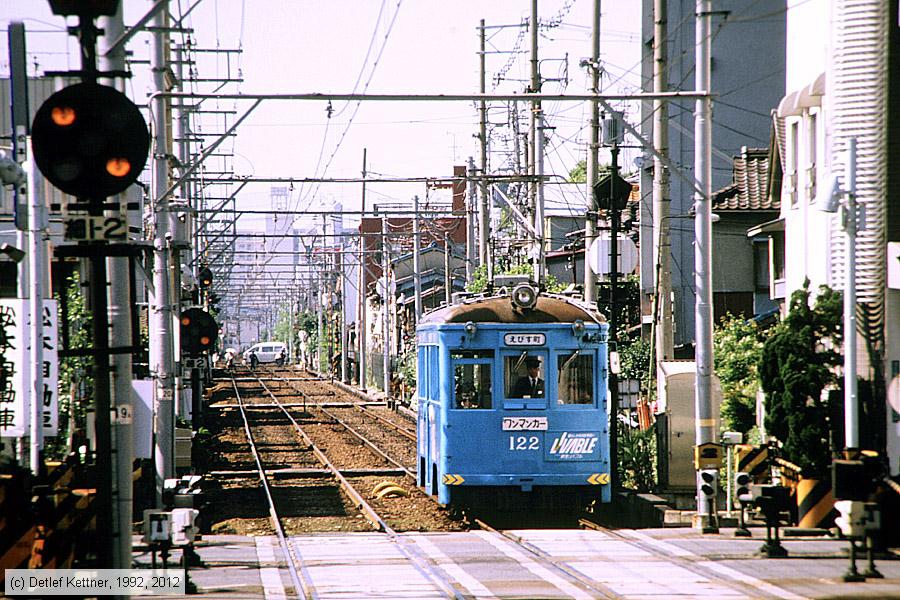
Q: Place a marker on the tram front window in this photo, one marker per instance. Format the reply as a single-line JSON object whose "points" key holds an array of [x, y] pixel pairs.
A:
{"points": [[524, 376], [576, 378], [472, 380]]}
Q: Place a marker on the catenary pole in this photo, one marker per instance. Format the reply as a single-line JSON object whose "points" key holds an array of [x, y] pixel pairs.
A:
{"points": [[361, 300], [590, 223], [120, 321], [386, 308], [704, 419], [161, 324], [417, 267], [484, 214]]}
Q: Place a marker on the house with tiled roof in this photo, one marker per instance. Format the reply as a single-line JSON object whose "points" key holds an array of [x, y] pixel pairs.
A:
{"points": [[741, 264]]}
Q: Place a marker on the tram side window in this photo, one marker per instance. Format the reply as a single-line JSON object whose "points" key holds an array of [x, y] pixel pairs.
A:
{"points": [[576, 378], [524, 376], [472, 380]]}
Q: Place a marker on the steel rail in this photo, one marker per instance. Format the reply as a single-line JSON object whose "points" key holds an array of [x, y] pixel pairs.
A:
{"points": [[286, 549], [364, 507], [421, 562], [407, 433], [370, 444]]}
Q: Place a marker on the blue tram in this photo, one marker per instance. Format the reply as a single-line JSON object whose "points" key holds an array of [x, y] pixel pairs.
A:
{"points": [[512, 399]]}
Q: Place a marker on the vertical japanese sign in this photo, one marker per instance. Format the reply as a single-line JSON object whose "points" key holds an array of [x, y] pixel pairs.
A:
{"points": [[13, 410], [50, 368], [14, 352]]}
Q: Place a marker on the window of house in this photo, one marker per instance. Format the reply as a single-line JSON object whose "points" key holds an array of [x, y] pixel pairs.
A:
{"points": [[576, 378], [777, 255], [792, 162], [811, 154]]}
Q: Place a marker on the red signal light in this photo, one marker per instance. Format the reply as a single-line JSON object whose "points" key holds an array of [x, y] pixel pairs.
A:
{"points": [[63, 115], [118, 167]]}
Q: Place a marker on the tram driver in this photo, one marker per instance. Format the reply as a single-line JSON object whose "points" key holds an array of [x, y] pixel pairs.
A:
{"points": [[530, 385]]}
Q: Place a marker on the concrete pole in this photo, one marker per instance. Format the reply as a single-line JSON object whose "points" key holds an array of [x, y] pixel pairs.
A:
{"points": [[662, 313], [534, 129], [471, 221], [361, 301], [484, 211], [590, 224], [539, 259], [22, 292], [345, 329], [386, 336], [705, 420], [120, 319], [851, 408], [36, 266], [448, 275], [417, 267], [161, 350]]}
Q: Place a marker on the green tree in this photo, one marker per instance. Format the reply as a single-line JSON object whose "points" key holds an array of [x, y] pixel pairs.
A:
{"points": [[76, 383], [578, 173], [737, 347], [798, 361], [480, 281]]}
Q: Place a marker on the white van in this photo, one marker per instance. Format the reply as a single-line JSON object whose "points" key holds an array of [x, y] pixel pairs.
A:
{"points": [[267, 352]]}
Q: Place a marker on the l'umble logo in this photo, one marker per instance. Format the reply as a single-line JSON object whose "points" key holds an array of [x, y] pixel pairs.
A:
{"points": [[574, 443]]}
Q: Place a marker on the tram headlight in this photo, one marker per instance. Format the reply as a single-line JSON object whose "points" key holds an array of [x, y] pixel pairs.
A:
{"points": [[524, 296]]}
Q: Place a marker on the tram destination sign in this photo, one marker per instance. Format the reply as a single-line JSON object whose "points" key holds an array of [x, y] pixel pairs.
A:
{"points": [[524, 339]]}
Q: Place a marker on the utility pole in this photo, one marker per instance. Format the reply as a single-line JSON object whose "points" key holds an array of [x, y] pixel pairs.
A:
{"points": [[161, 318], [361, 301], [662, 301], [590, 221], [120, 335], [417, 267], [705, 421], [484, 214]]}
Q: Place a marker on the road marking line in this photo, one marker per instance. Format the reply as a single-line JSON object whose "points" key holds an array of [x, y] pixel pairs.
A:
{"points": [[447, 564], [273, 588], [733, 574], [522, 558], [761, 585], [662, 545]]}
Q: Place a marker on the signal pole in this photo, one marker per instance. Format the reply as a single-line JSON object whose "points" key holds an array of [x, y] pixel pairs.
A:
{"points": [[161, 344], [120, 321]]}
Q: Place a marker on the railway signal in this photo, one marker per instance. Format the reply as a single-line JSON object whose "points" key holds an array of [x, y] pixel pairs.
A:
{"points": [[198, 331], [90, 141], [205, 278]]}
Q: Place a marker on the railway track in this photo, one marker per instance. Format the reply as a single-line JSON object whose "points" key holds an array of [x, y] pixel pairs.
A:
{"points": [[329, 446]]}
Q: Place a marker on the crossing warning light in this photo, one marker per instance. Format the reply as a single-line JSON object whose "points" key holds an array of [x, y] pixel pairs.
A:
{"points": [[90, 141], [709, 483], [205, 277], [742, 486], [198, 331]]}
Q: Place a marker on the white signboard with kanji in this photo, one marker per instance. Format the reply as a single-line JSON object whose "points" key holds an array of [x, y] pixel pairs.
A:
{"points": [[14, 354], [13, 407]]}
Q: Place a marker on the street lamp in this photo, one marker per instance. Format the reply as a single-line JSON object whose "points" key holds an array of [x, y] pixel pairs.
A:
{"points": [[833, 197], [11, 251]]}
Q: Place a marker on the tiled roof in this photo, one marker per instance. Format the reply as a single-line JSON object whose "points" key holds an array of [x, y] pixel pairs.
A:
{"points": [[748, 190]]}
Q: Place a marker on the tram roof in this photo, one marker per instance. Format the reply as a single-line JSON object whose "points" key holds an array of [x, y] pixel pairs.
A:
{"points": [[500, 309]]}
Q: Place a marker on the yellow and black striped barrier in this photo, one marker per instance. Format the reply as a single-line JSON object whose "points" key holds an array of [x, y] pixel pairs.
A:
{"points": [[753, 460], [815, 504]]}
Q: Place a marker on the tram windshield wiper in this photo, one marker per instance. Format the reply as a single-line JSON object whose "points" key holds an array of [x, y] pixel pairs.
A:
{"points": [[569, 360], [521, 360]]}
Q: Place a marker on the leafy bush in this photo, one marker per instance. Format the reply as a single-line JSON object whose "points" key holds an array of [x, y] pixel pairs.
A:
{"points": [[637, 458], [737, 347]]}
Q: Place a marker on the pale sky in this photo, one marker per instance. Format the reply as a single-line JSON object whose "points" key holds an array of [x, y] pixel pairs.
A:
{"points": [[421, 46]]}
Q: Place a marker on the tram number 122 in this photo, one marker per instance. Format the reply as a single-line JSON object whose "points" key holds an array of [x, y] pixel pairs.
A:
{"points": [[524, 442]]}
